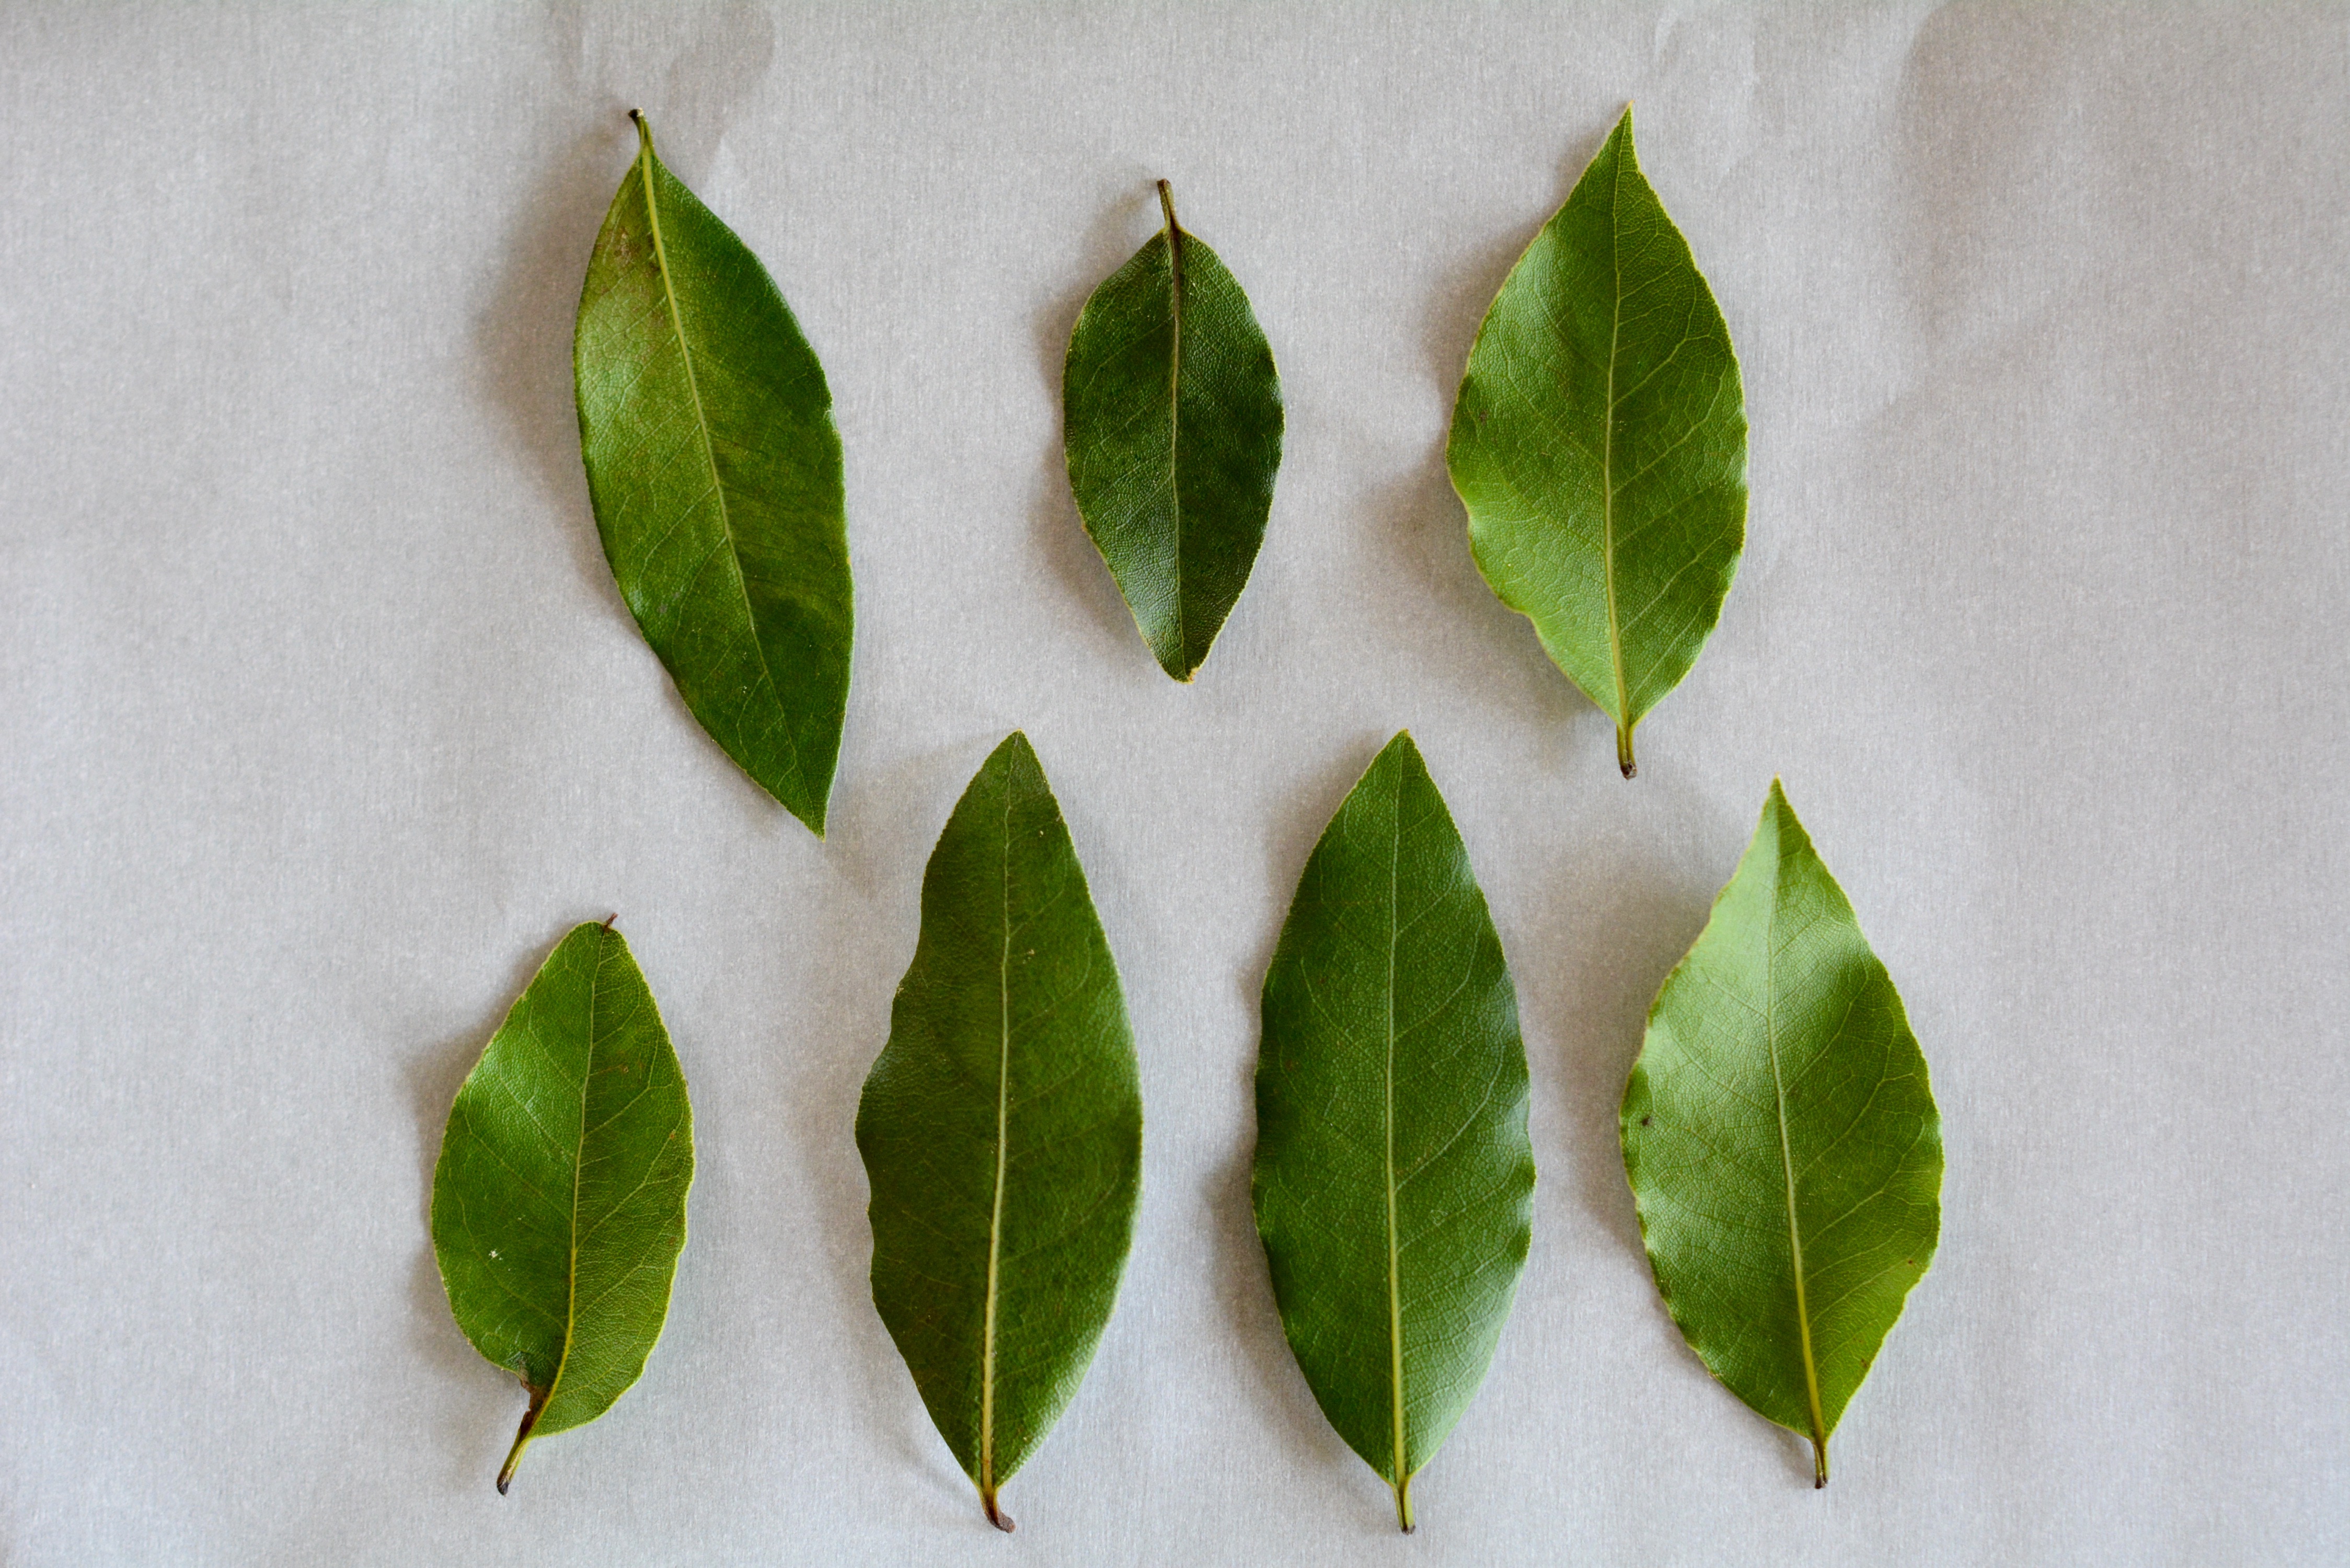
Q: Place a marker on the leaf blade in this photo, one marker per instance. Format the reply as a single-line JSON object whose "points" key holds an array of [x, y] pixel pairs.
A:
{"points": [[1395, 1224], [1172, 422], [1778, 1048], [1001, 1129], [1600, 451], [558, 1198], [714, 470]]}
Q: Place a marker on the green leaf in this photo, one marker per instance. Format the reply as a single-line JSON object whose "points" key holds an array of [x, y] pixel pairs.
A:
{"points": [[707, 431], [558, 1205], [1393, 1181], [1600, 443], [1781, 1141], [1172, 414], [1001, 1128]]}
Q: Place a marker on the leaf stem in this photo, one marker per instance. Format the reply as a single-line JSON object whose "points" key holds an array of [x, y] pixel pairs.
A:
{"points": [[1819, 1463], [1624, 752], [1167, 205], [1403, 1505], [995, 1516], [522, 1439]]}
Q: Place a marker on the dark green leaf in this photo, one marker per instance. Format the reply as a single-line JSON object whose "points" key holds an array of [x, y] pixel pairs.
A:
{"points": [[1001, 1128], [1600, 443], [558, 1206], [715, 471], [1393, 1181], [1171, 413], [1781, 1141]]}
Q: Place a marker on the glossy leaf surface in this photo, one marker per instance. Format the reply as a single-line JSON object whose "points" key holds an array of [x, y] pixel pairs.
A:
{"points": [[559, 1204], [1172, 414], [1001, 1128], [1600, 443], [714, 467], [1394, 1178], [1781, 1141]]}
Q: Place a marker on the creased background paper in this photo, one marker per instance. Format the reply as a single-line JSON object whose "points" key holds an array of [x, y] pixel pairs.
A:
{"points": [[320, 721]]}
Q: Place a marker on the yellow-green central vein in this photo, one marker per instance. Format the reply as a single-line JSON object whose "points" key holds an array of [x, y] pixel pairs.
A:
{"points": [[647, 162], [995, 1218], [1607, 469], [1395, 1278], [1787, 1168]]}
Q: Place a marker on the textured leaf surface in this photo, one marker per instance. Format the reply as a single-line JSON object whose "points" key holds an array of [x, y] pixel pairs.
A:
{"points": [[1001, 1128], [559, 1204], [1781, 1141], [1172, 414], [1394, 1179], [707, 431], [1600, 443]]}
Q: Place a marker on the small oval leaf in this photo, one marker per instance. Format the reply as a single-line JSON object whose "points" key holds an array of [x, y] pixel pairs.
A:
{"points": [[706, 428], [1001, 1128], [1394, 1179], [1171, 416], [1781, 1141], [558, 1203], [1600, 443]]}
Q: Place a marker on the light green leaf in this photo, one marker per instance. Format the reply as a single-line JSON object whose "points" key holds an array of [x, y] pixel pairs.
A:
{"points": [[1600, 443], [1781, 1141], [1001, 1128], [707, 431], [1171, 415], [1393, 1181], [558, 1205]]}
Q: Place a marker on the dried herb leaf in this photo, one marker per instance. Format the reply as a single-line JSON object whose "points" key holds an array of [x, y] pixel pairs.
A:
{"points": [[1600, 443], [1001, 1128], [1394, 1179], [706, 427], [1171, 416], [1781, 1141], [559, 1204]]}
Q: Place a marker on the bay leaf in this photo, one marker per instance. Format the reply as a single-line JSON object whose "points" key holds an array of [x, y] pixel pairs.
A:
{"points": [[1600, 443], [706, 427], [1171, 418], [1394, 1179], [1001, 1128], [558, 1203], [1781, 1141]]}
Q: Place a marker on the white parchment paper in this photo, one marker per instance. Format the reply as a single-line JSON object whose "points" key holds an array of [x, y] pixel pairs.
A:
{"points": [[320, 720]]}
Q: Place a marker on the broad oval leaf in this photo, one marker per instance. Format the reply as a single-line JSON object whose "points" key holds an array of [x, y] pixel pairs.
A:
{"points": [[706, 427], [1781, 1141], [1393, 1181], [1600, 443], [1171, 415], [1001, 1128], [559, 1204]]}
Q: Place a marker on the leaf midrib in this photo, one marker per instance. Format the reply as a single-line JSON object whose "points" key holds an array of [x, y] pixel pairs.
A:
{"points": [[1395, 1281], [1175, 407], [1608, 443], [995, 1216], [1787, 1169], [646, 163]]}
